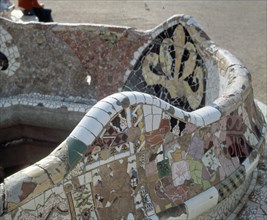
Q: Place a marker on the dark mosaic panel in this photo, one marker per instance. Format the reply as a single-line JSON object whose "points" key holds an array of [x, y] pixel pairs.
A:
{"points": [[171, 69]]}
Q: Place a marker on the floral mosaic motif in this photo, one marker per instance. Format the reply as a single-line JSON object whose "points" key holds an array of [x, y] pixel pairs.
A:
{"points": [[235, 140], [180, 172], [171, 69]]}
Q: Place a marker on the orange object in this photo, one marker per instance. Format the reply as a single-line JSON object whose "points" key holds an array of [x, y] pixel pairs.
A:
{"points": [[29, 4]]}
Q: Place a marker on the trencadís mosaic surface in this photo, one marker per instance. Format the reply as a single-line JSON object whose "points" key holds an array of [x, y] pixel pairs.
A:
{"points": [[182, 140], [171, 69]]}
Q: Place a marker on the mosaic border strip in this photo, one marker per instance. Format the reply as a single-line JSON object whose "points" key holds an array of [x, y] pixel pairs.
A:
{"points": [[76, 104]]}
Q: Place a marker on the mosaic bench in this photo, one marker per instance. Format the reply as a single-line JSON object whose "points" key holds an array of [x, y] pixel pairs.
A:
{"points": [[170, 130]]}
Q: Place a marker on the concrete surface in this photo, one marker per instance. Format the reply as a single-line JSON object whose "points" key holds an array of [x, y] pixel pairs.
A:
{"points": [[238, 26]]}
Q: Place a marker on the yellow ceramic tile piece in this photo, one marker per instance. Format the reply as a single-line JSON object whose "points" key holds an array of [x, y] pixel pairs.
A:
{"points": [[179, 42], [176, 155], [158, 209], [151, 59], [168, 206], [165, 56]]}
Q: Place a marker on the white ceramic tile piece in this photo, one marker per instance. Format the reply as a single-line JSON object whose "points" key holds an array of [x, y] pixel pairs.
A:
{"points": [[139, 97], [181, 217], [156, 110], [102, 162], [133, 61], [48, 193], [148, 99], [119, 96], [28, 205], [83, 135], [92, 166], [107, 107], [88, 177], [164, 105], [58, 190], [126, 75], [81, 179], [71, 109], [128, 117], [168, 107], [192, 21], [156, 121], [102, 116], [225, 54], [54, 167], [148, 123], [7, 104], [171, 22], [250, 166], [131, 97], [178, 113], [39, 200], [209, 114], [141, 49], [195, 119], [113, 102], [131, 147], [136, 55], [202, 202], [121, 155], [91, 124], [147, 110], [156, 102]]}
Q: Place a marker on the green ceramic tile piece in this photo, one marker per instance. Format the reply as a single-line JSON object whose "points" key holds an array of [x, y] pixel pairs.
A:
{"points": [[206, 184], [76, 149], [164, 168], [195, 167]]}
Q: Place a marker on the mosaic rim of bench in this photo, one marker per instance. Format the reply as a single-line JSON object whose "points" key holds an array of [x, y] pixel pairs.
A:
{"points": [[61, 164], [82, 136]]}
